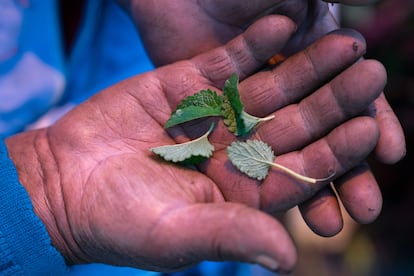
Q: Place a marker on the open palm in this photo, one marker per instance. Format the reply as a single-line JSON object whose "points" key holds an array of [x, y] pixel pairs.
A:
{"points": [[109, 199], [176, 30]]}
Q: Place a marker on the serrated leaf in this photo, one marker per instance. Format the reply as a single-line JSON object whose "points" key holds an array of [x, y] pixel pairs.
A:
{"points": [[255, 157], [203, 104], [189, 153], [252, 157]]}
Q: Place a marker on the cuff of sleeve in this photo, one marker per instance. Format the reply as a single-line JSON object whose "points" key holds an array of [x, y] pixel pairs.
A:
{"points": [[25, 246]]}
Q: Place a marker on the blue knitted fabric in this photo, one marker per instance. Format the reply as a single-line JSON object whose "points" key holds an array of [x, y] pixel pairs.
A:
{"points": [[25, 247]]}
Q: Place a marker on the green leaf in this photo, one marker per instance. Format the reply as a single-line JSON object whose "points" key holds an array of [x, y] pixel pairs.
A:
{"points": [[252, 157], [231, 93], [188, 153], [229, 116], [203, 104], [239, 122], [255, 157]]}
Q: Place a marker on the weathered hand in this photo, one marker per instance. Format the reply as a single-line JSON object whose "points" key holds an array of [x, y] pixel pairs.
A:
{"points": [[104, 197], [174, 31]]}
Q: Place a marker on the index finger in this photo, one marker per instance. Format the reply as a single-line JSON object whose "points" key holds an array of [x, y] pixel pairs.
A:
{"points": [[301, 74]]}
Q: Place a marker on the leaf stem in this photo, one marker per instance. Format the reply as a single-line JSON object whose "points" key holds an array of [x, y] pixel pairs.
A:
{"points": [[268, 118], [299, 176], [257, 119]]}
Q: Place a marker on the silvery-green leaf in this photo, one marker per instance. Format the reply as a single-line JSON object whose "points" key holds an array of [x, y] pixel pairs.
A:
{"points": [[255, 157], [189, 153], [252, 157]]}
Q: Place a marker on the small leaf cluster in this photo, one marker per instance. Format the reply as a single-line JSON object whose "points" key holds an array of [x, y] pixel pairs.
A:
{"points": [[252, 157], [208, 103]]}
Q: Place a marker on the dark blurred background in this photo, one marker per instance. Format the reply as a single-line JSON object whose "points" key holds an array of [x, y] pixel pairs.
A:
{"points": [[386, 246]]}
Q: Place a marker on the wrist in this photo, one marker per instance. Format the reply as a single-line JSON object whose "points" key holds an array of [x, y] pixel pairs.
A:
{"points": [[25, 246], [38, 172]]}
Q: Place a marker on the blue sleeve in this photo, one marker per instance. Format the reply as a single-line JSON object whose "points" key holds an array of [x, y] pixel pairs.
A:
{"points": [[25, 246]]}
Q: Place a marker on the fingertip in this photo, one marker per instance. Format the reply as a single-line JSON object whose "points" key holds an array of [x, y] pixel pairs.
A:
{"points": [[360, 194], [388, 150], [354, 34], [286, 22], [275, 23], [322, 213], [378, 72], [268, 35], [336, 51], [391, 146]]}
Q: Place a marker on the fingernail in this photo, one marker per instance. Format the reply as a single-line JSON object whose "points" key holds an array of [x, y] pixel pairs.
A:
{"points": [[267, 262]]}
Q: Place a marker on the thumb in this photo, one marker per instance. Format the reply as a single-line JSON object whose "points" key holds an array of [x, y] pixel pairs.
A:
{"points": [[228, 231]]}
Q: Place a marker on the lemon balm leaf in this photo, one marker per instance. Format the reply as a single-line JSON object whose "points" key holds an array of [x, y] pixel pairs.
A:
{"points": [[203, 104], [255, 157], [208, 103], [188, 153], [252, 157]]}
